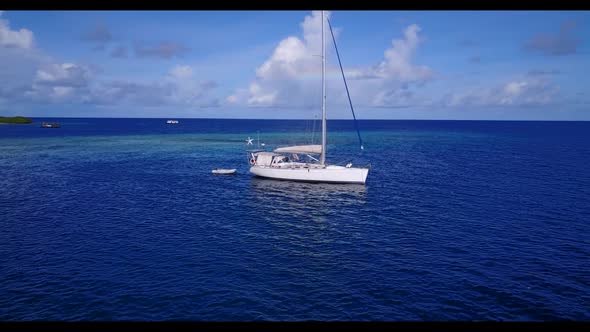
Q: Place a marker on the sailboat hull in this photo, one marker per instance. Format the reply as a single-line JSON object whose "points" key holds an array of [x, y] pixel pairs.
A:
{"points": [[328, 174]]}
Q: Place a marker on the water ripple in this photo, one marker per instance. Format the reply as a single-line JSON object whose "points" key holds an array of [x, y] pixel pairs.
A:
{"points": [[471, 221]]}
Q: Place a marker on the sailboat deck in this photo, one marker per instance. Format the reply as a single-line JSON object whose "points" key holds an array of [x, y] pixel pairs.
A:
{"points": [[294, 165]]}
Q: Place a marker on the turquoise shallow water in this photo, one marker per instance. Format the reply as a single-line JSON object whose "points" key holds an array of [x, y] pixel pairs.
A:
{"points": [[107, 219]]}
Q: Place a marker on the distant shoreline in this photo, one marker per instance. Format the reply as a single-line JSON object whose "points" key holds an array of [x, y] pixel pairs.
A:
{"points": [[15, 120]]}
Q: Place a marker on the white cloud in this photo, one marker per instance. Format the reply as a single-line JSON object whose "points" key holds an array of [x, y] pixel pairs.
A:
{"points": [[189, 91], [60, 82], [19, 61], [182, 72], [397, 62], [73, 83], [278, 79], [528, 90], [22, 38], [62, 91], [65, 74], [177, 88], [291, 75], [28, 75], [389, 83], [515, 88]]}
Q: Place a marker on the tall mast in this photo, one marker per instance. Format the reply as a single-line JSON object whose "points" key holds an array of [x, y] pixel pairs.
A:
{"points": [[323, 155]]}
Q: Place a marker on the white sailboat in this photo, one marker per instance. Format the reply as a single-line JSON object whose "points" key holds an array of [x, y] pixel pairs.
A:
{"points": [[277, 165]]}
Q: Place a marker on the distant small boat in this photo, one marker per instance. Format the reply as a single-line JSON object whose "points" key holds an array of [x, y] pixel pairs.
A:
{"points": [[223, 171], [172, 122], [50, 125]]}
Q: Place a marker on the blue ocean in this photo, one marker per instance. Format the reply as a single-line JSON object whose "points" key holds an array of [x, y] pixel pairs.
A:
{"points": [[122, 219]]}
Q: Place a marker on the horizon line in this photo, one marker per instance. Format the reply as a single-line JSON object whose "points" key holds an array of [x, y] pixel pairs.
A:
{"points": [[300, 119]]}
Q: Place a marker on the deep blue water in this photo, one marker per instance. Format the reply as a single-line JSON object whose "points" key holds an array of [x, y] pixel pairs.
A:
{"points": [[121, 219]]}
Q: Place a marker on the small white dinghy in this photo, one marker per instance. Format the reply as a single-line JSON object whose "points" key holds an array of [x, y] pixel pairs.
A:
{"points": [[223, 171]]}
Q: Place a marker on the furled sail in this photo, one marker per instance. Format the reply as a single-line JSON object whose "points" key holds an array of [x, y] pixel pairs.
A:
{"points": [[304, 149]]}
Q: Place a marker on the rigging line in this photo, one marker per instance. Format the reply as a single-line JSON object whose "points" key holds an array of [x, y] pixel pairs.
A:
{"points": [[345, 85]]}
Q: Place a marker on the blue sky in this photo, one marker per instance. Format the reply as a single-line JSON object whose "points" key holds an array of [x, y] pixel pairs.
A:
{"points": [[500, 65]]}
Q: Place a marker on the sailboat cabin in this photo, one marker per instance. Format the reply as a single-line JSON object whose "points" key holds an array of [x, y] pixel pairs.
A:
{"points": [[264, 158]]}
